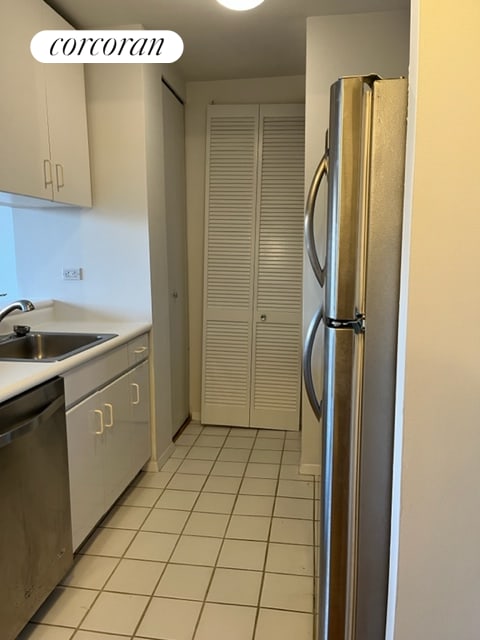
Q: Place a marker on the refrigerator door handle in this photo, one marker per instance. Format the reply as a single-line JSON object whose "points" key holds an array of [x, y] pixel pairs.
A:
{"points": [[307, 364], [320, 173]]}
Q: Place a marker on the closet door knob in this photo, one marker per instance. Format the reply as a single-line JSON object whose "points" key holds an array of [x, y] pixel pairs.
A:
{"points": [[263, 317]]}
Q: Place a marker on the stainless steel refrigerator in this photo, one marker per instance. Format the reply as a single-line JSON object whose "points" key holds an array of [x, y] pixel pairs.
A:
{"points": [[357, 319]]}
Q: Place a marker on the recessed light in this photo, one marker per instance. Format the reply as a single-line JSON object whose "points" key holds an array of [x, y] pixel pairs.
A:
{"points": [[240, 5]]}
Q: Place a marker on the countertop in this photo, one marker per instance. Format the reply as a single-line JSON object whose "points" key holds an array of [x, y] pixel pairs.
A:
{"points": [[16, 377]]}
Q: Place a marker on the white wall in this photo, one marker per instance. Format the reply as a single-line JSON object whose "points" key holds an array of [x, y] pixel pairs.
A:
{"points": [[339, 45], [8, 265], [199, 95], [109, 241], [438, 519]]}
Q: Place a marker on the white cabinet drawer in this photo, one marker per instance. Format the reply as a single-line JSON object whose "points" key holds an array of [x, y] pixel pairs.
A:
{"points": [[138, 349], [84, 380]]}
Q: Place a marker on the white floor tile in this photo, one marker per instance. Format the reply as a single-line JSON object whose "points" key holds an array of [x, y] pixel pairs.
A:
{"points": [[216, 431], [172, 499], [234, 586], [171, 619], [108, 542], [65, 607], [235, 469], [223, 621], [258, 470], [210, 441], [268, 443], [234, 455], [196, 550], [153, 479], [135, 576], [294, 489], [180, 452], [140, 497], [203, 453], [297, 508], [234, 442], [171, 465], [115, 613], [187, 481], [242, 432], [291, 457], [271, 433], [186, 439], [254, 505], [248, 528], [284, 625], [93, 635], [202, 467], [292, 531], [242, 554], [222, 484], [291, 472], [206, 524], [165, 521], [292, 445], [292, 593], [296, 559], [258, 486], [215, 502], [262, 455], [44, 632], [185, 582], [122, 517], [293, 435], [192, 429], [152, 546], [90, 572]]}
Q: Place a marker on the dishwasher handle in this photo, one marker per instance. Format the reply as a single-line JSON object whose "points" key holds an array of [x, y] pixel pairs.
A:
{"points": [[30, 424]]}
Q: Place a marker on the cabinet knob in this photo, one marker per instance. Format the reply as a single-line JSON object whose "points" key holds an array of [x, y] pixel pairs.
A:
{"points": [[263, 317], [175, 294]]}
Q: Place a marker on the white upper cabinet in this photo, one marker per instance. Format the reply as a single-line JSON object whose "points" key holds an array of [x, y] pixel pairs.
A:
{"points": [[43, 125]]}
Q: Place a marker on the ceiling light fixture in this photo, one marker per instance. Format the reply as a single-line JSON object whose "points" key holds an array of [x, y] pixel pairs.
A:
{"points": [[240, 5]]}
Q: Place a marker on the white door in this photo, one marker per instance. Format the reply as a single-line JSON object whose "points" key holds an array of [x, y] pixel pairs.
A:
{"points": [[175, 189], [253, 274], [277, 314]]}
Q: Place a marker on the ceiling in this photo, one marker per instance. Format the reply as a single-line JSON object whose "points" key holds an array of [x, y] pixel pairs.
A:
{"points": [[219, 43]]}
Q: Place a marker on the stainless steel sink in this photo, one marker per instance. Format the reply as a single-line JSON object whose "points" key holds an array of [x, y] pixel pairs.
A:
{"points": [[40, 346]]}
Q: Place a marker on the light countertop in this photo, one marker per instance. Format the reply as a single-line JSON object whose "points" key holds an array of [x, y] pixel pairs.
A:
{"points": [[16, 377]]}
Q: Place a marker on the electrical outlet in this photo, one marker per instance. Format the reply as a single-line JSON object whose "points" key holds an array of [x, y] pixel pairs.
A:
{"points": [[72, 273]]}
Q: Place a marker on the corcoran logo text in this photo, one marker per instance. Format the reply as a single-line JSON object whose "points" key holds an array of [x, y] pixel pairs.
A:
{"points": [[106, 46]]}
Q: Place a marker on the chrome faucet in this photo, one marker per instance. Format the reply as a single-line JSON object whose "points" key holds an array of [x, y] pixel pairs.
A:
{"points": [[20, 305]]}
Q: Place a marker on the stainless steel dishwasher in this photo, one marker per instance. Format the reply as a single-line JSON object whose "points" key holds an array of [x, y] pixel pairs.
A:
{"points": [[35, 524]]}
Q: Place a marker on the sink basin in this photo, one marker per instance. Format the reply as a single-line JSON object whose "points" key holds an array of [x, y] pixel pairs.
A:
{"points": [[40, 346]]}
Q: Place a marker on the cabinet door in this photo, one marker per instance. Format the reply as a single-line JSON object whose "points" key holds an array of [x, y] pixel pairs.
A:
{"points": [[86, 458], [117, 469], [277, 317], [229, 261], [24, 156], [140, 433], [67, 125]]}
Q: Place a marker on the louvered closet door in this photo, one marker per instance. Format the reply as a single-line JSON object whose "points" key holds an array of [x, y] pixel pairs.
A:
{"points": [[232, 146], [276, 353]]}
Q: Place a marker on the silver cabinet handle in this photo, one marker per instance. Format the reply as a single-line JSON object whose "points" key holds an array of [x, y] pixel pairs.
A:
{"points": [[320, 173], [307, 364], [109, 406], [136, 388], [47, 173], [98, 412], [59, 176]]}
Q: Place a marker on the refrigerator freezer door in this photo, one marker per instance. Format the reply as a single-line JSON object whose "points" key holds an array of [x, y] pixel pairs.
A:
{"points": [[339, 499], [350, 100]]}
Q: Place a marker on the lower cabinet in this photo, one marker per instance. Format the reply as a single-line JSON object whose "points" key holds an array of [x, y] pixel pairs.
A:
{"points": [[108, 443]]}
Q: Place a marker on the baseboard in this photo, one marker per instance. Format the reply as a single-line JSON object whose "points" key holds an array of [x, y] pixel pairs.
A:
{"points": [[310, 469]]}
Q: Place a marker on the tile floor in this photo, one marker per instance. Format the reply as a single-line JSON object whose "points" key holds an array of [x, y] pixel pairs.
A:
{"points": [[218, 545]]}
